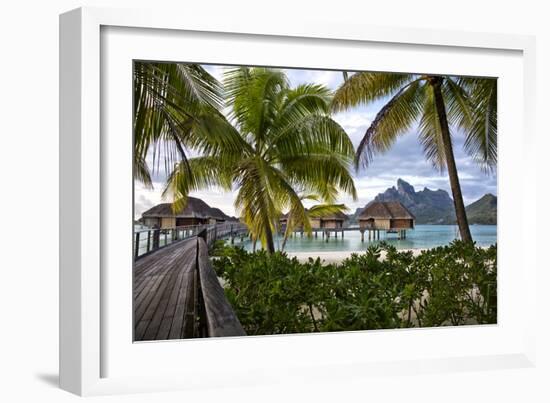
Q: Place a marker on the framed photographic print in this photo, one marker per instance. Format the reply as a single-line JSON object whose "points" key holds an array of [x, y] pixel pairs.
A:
{"points": [[237, 200]]}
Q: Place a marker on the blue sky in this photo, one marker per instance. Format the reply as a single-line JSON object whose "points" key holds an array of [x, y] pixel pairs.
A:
{"points": [[405, 159]]}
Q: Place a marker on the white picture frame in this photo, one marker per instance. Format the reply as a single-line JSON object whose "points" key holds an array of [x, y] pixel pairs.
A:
{"points": [[93, 336]]}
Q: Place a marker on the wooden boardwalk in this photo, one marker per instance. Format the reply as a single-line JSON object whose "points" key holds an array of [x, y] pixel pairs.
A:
{"points": [[164, 293], [177, 295]]}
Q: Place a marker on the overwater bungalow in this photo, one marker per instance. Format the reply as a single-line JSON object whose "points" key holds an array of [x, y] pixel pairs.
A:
{"points": [[283, 220], [195, 213], [327, 224], [334, 220], [329, 221], [392, 217]]}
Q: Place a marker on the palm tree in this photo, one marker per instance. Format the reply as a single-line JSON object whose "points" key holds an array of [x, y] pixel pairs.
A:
{"points": [[297, 220], [171, 100], [436, 102], [280, 139]]}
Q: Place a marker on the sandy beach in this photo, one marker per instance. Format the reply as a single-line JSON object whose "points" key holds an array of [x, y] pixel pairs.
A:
{"points": [[338, 256]]}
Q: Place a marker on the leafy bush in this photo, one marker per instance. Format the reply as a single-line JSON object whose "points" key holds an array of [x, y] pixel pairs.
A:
{"points": [[380, 289]]}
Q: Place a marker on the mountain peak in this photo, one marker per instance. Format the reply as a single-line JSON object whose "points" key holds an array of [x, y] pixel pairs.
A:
{"points": [[404, 187], [427, 206]]}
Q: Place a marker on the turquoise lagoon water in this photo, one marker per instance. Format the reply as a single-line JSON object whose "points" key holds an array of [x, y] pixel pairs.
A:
{"points": [[422, 237]]}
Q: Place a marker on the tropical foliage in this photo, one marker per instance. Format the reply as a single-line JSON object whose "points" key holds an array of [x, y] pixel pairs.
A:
{"points": [[481, 136], [436, 103], [172, 104], [274, 294], [281, 142]]}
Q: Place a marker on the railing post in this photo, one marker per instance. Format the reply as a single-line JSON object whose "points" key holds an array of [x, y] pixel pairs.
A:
{"points": [[203, 235], [136, 252], [148, 240], [156, 239], [201, 328]]}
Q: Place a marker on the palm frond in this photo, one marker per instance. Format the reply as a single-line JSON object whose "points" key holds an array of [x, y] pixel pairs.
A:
{"points": [[481, 135], [324, 210], [458, 104], [311, 134], [394, 119], [365, 87], [430, 131], [197, 174], [141, 172], [167, 97], [254, 95], [323, 173]]}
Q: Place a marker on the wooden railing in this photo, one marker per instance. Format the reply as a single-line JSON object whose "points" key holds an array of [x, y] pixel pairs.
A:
{"points": [[151, 239], [216, 317]]}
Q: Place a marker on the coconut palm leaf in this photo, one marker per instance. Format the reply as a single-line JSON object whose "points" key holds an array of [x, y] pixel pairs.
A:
{"points": [[168, 99], [198, 173], [394, 119], [365, 87], [481, 137], [429, 132], [322, 173]]}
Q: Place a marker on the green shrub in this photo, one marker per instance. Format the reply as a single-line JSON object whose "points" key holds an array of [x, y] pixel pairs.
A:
{"points": [[275, 294]]}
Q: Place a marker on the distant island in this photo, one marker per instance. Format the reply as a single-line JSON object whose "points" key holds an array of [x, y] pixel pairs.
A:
{"points": [[436, 206]]}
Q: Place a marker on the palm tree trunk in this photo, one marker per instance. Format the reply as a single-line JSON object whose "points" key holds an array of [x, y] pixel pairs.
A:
{"points": [[288, 231], [461, 218], [269, 239], [283, 244]]}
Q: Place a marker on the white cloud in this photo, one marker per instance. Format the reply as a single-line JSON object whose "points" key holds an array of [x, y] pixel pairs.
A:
{"points": [[145, 198]]}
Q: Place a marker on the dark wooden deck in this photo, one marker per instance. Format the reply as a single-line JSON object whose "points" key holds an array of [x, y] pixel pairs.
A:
{"points": [[177, 295]]}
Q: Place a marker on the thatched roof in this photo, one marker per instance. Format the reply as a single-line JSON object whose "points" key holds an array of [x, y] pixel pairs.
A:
{"points": [[195, 208], [386, 210], [217, 213], [332, 216]]}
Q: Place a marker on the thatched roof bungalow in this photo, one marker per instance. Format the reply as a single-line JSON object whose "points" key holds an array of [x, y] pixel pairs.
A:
{"points": [[386, 216], [196, 212], [334, 220]]}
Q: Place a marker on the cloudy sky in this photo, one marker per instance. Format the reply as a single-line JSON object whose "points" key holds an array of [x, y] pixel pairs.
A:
{"points": [[405, 160]]}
